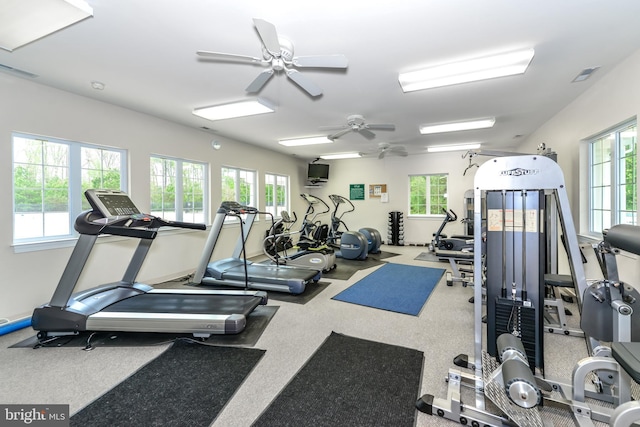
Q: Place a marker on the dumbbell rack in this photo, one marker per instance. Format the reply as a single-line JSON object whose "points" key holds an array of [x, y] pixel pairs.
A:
{"points": [[395, 228]]}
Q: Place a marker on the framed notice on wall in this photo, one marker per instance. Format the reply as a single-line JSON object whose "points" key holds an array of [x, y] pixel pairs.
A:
{"points": [[377, 190], [356, 191]]}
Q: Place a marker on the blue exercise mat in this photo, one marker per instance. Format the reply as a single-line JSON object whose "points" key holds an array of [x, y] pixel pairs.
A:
{"points": [[394, 287]]}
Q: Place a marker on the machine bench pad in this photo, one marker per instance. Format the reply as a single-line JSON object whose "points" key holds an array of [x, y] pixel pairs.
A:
{"points": [[559, 280], [454, 254], [627, 354]]}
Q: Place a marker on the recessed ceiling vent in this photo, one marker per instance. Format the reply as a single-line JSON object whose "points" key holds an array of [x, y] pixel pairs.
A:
{"points": [[17, 72], [585, 74]]}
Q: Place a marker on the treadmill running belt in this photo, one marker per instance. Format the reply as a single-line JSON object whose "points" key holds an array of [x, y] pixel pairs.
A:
{"points": [[181, 303], [233, 269]]}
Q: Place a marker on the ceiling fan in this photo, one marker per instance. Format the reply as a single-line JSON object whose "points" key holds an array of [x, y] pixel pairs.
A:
{"points": [[356, 123], [277, 53], [387, 149]]}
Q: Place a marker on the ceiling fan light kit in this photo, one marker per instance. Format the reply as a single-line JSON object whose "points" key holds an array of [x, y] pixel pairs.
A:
{"points": [[357, 123], [278, 54], [458, 126], [385, 148], [490, 67], [234, 109]]}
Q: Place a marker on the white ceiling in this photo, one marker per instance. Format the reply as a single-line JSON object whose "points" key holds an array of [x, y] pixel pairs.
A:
{"points": [[145, 54]]}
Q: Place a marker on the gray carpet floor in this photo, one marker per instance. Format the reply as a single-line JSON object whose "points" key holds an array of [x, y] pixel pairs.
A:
{"points": [[442, 330]]}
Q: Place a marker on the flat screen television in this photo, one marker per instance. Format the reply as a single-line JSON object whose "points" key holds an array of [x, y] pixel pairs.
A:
{"points": [[318, 172]]}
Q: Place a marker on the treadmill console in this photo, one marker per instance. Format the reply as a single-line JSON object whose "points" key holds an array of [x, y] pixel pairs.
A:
{"points": [[111, 203], [231, 207]]}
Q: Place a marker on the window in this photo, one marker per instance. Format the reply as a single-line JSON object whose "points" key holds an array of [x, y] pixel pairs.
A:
{"points": [[239, 185], [50, 177], [613, 178], [276, 193], [179, 190], [427, 194]]}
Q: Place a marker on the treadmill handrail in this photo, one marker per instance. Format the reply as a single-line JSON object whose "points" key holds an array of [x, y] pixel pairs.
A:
{"points": [[140, 226], [181, 224], [113, 212], [129, 232]]}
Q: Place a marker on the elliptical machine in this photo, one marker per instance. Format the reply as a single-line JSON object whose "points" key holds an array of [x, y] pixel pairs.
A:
{"points": [[453, 243], [313, 234], [279, 240], [353, 244]]}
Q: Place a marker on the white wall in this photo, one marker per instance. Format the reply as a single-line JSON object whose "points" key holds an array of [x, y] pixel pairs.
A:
{"points": [[28, 279]]}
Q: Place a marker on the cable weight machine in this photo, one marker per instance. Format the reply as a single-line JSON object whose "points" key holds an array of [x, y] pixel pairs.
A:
{"points": [[502, 368]]}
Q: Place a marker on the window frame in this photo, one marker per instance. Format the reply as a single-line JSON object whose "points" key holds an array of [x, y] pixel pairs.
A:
{"points": [[610, 182], [287, 187], [428, 196], [253, 193], [178, 214], [75, 169]]}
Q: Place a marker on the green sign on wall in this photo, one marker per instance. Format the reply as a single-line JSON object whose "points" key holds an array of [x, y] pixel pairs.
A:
{"points": [[356, 191]]}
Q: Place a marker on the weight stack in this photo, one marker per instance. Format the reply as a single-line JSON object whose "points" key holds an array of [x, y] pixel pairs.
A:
{"points": [[516, 254], [512, 315], [395, 228]]}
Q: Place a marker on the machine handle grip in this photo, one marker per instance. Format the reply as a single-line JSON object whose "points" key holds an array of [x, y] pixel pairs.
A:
{"points": [[154, 222], [190, 225], [451, 215], [129, 232]]}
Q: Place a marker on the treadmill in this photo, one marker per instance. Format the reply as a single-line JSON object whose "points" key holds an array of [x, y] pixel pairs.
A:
{"points": [[128, 306], [238, 272]]}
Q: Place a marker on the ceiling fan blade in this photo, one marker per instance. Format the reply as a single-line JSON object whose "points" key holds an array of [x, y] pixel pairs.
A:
{"points": [[260, 81], [381, 127], [382, 154], [398, 150], [367, 133], [306, 84], [334, 127], [321, 61], [229, 57], [269, 36], [339, 134]]}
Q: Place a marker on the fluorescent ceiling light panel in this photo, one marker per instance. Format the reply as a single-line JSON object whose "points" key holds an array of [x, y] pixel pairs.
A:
{"points": [[234, 109], [341, 156], [22, 22], [458, 147], [489, 67], [305, 141], [458, 126]]}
